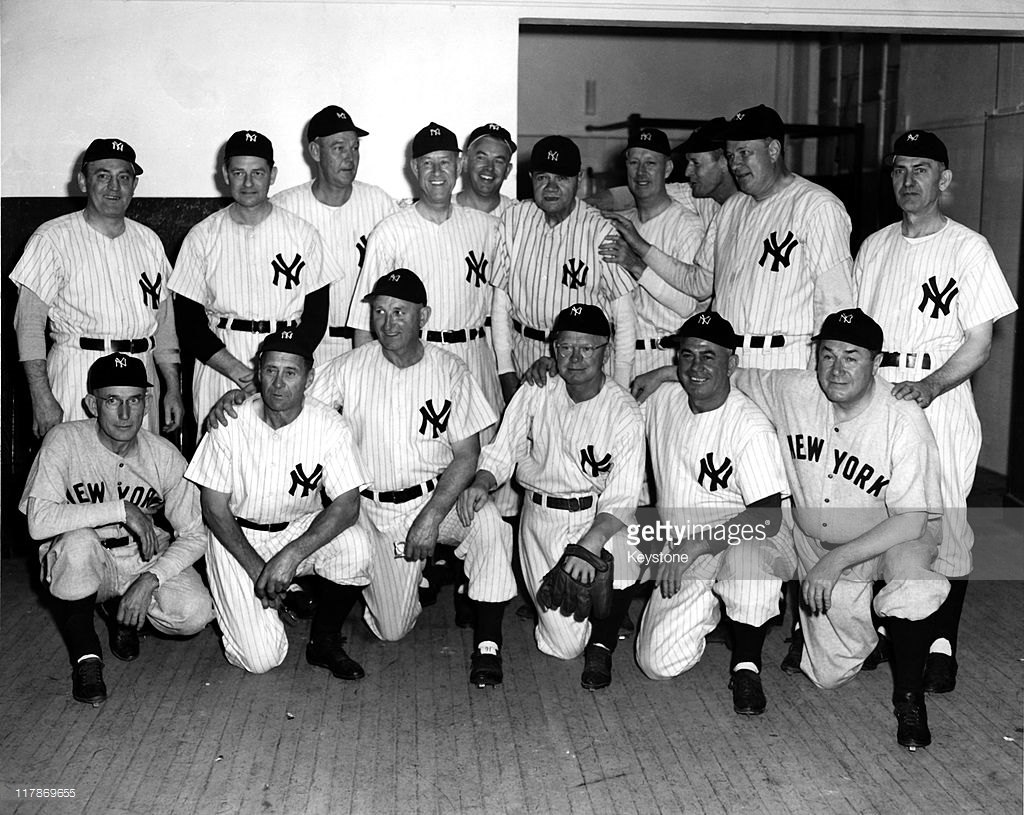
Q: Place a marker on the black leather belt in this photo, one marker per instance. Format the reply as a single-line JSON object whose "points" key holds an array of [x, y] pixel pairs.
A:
{"points": [[344, 331], [759, 341], [529, 333], [461, 335], [400, 496], [247, 524], [567, 504], [123, 346], [644, 345], [891, 359], [256, 326], [115, 543]]}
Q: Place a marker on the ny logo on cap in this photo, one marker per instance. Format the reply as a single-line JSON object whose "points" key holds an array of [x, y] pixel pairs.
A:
{"points": [[250, 137], [435, 131], [552, 155], [287, 335], [846, 318], [120, 362], [576, 311], [117, 145], [738, 117], [704, 319], [341, 114], [395, 277], [645, 137], [912, 136]]}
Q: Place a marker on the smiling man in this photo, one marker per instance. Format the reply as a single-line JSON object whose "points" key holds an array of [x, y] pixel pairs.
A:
{"points": [[489, 151]]}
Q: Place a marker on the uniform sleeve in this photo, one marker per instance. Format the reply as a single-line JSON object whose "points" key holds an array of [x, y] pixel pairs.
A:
{"points": [[318, 274], [511, 444], [327, 384], [41, 268], [615, 280], [343, 464], [989, 296], [471, 412], [30, 317], [211, 465], [502, 249], [915, 480], [501, 331], [760, 386], [829, 258], [379, 260], [704, 261], [624, 318], [182, 509], [759, 467], [621, 494], [165, 338], [188, 277]]}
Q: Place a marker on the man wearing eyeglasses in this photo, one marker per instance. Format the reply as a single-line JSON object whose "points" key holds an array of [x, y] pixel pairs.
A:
{"points": [[576, 445], [101, 494]]}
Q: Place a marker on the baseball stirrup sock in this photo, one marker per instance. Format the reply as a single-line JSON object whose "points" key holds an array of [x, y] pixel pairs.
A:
{"points": [[76, 620], [606, 632], [910, 640], [488, 622], [334, 603]]}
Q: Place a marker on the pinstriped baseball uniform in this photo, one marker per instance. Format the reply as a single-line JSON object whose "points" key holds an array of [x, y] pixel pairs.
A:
{"points": [[768, 257], [660, 309], [455, 261], [546, 269], [925, 293], [846, 478], [709, 467], [276, 476], [503, 204], [261, 272], [404, 421], [557, 447], [94, 286], [704, 208], [344, 231]]}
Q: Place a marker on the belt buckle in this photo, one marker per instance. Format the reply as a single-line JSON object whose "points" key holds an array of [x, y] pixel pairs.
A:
{"points": [[254, 327], [911, 360]]}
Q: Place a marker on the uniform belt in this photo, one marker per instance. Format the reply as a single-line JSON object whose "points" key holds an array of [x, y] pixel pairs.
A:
{"points": [[400, 496], [123, 346], [245, 523], [897, 359], [644, 345], [115, 543], [256, 326], [567, 504], [461, 335], [344, 331], [529, 333], [762, 341]]}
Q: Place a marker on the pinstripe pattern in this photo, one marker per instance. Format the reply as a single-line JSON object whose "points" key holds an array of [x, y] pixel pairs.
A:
{"points": [[504, 203], [704, 208], [344, 232], [894, 275]]}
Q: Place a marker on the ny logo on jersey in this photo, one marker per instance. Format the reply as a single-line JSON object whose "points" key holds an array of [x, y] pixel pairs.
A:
{"points": [[289, 270], [151, 290], [589, 460], [717, 476], [476, 270], [438, 421], [940, 300], [308, 482], [780, 252], [250, 137], [117, 145], [361, 248], [574, 273]]}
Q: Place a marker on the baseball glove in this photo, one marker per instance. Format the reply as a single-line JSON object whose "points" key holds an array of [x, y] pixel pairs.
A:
{"points": [[558, 590]]}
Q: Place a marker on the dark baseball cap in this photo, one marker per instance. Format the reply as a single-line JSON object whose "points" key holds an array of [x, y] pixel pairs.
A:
{"points": [[332, 119], [249, 143], [759, 122], [402, 284], [709, 136], [582, 318], [110, 148], [919, 144], [289, 341], [556, 154], [853, 326], [649, 138], [705, 325], [495, 131], [434, 137], [117, 370]]}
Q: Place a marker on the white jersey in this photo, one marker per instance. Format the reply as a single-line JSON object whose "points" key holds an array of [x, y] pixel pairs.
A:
{"points": [[704, 208], [504, 202], [344, 232]]}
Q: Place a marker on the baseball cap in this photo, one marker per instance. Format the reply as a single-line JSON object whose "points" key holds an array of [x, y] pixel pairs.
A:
{"points": [[582, 318], [402, 284], [649, 138], [117, 370], [709, 136], [853, 326], [495, 131], [919, 144], [110, 148], [758, 122], [289, 341], [249, 143], [705, 325], [332, 119], [556, 154], [434, 137]]}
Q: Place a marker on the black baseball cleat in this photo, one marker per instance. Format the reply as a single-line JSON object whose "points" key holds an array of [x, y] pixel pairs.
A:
{"points": [[597, 668], [791, 662], [300, 604], [87, 682], [911, 720], [882, 652], [940, 673], [485, 669], [123, 639], [329, 653], [747, 694]]}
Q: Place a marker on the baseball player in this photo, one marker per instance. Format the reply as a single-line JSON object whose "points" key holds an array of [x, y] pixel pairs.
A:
{"points": [[488, 162], [662, 223], [343, 210], [720, 479], [92, 495], [576, 446], [263, 480], [937, 290], [99, 279], [547, 259], [863, 469], [246, 271]]}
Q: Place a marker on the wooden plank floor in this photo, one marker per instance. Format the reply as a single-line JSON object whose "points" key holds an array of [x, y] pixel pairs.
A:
{"points": [[184, 732]]}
